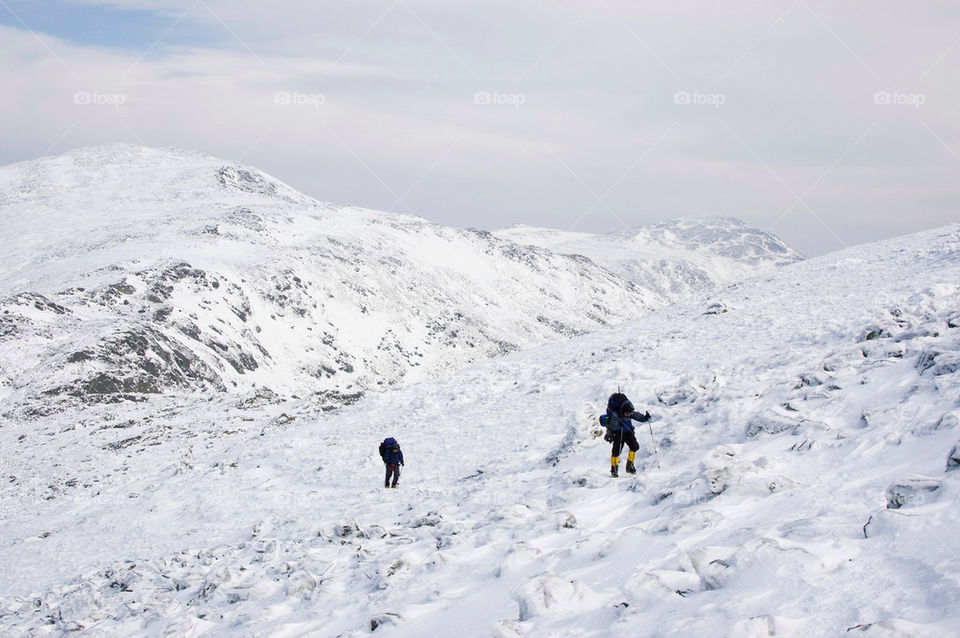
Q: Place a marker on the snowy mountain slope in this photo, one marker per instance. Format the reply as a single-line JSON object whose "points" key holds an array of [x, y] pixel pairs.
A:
{"points": [[674, 259], [802, 484], [129, 272]]}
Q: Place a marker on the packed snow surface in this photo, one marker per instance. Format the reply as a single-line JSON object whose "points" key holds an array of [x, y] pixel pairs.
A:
{"points": [[800, 477]]}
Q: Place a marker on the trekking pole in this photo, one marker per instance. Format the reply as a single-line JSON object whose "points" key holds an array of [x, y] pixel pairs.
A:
{"points": [[654, 443]]}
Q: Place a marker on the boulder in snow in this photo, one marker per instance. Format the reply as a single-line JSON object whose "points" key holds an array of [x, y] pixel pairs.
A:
{"points": [[938, 362], [953, 459], [547, 594], [911, 492]]}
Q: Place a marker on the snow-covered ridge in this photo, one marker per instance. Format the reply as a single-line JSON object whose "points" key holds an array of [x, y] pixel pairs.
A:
{"points": [[134, 271], [801, 477], [138, 271], [674, 259]]}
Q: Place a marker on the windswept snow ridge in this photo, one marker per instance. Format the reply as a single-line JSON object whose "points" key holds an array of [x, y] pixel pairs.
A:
{"points": [[805, 483]]}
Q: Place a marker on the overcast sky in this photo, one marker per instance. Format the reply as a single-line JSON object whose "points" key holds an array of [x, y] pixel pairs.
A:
{"points": [[829, 123]]}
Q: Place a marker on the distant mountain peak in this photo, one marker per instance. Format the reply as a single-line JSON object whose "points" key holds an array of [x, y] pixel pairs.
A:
{"points": [[674, 258], [141, 173]]}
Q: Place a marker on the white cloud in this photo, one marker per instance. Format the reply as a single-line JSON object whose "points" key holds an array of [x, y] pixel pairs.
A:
{"points": [[598, 114]]}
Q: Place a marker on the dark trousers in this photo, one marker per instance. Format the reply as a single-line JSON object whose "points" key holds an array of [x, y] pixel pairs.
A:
{"points": [[393, 469], [621, 438]]}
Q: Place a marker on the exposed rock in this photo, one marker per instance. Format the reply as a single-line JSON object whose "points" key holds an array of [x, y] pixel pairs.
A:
{"points": [[911, 492], [938, 362], [953, 459]]}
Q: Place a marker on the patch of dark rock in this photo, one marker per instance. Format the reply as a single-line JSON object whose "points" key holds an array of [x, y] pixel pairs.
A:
{"points": [[953, 458], [10, 326], [383, 619], [105, 384], [873, 332], [190, 330], [938, 362], [182, 270], [133, 343], [332, 399], [325, 371], [123, 288], [82, 355], [557, 326], [159, 293], [123, 443], [242, 363], [41, 303]]}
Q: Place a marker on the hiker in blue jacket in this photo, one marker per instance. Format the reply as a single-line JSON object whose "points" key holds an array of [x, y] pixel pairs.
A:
{"points": [[392, 457], [619, 423]]}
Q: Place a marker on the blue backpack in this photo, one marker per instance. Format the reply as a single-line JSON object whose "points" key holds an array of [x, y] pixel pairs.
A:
{"points": [[388, 443], [614, 403]]}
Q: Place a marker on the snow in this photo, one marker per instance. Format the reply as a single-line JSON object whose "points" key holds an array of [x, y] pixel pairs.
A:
{"points": [[168, 270], [788, 410], [674, 259]]}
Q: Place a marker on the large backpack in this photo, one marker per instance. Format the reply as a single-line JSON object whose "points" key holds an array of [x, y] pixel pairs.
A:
{"points": [[616, 401], [388, 443]]}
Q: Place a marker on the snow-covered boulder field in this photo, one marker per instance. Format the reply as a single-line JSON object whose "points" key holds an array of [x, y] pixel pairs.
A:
{"points": [[792, 482]]}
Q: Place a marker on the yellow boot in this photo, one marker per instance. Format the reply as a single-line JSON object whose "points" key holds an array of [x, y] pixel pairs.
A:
{"points": [[615, 466], [630, 467]]}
